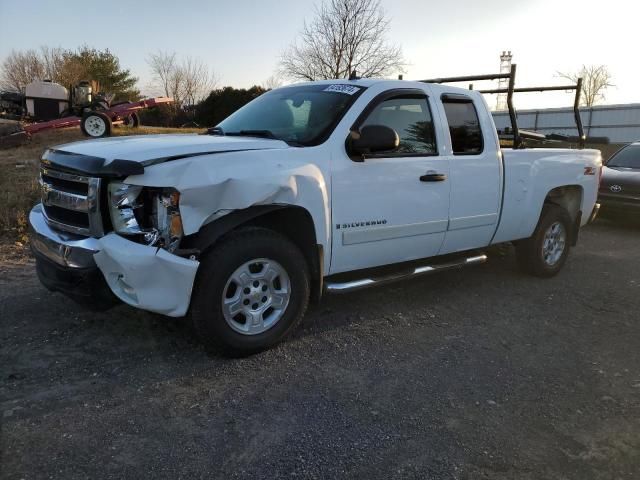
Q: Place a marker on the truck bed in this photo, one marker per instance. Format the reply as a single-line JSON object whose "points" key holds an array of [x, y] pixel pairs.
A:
{"points": [[529, 176]]}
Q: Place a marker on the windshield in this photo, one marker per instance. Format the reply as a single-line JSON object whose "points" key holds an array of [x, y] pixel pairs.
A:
{"points": [[628, 157], [302, 115]]}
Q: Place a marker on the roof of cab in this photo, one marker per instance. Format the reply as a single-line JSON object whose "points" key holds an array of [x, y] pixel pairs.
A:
{"points": [[368, 82]]}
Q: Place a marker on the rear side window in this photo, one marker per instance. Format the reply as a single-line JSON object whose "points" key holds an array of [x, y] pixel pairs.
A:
{"points": [[464, 126]]}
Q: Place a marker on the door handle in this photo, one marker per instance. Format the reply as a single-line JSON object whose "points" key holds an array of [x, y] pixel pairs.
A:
{"points": [[432, 176]]}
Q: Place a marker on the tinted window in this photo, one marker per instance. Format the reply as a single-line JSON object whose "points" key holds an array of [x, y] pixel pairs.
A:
{"points": [[302, 115], [628, 157], [411, 119], [464, 127]]}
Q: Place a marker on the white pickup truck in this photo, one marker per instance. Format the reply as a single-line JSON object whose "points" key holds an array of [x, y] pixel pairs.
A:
{"points": [[318, 187]]}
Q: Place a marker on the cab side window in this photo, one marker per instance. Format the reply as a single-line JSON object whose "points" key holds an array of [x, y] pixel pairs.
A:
{"points": [[464, 126], [411, 118]]}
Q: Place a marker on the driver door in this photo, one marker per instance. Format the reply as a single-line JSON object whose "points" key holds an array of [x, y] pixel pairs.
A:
{"points": [[393, 206]]}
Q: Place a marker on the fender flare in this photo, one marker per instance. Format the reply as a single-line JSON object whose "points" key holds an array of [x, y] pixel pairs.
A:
{"points": [[199, 242]]}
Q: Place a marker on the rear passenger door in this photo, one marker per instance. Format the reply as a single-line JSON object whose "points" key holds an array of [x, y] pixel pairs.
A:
{"points": [[475, 173]]}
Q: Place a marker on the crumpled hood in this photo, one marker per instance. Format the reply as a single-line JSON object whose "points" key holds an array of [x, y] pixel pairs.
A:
{"points": [[144, 148], [122, 156]]}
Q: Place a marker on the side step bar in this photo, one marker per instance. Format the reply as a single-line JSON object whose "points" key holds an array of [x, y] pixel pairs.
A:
{"points": [[334, 287]]}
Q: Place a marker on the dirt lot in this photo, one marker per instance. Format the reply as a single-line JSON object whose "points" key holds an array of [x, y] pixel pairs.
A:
{"points": [[482, 373]]}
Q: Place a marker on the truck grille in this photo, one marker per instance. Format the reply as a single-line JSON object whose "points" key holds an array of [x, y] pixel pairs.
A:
{"points": [[71, 202]]}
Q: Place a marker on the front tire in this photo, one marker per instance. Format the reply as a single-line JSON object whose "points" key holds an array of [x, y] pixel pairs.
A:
{"points": [[251, 292], [546, 251]]}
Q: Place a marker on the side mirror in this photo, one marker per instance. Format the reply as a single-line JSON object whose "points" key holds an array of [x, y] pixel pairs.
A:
{"points": [[373, 139]]}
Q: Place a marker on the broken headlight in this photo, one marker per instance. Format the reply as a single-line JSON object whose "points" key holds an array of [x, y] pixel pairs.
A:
{"points": [[146, 215]]}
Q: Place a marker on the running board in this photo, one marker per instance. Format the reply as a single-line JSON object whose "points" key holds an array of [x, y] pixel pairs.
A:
{"points": [[335, 287]]}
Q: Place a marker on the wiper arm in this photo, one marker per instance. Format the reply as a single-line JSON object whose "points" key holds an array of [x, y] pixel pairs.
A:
{"points": [[254, 133], [215, 131]]}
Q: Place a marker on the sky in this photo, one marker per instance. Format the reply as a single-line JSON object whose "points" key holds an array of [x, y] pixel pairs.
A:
{"points": [[242, 40]]}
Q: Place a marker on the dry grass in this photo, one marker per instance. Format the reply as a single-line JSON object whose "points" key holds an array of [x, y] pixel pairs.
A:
{"points": [[19, 176]]}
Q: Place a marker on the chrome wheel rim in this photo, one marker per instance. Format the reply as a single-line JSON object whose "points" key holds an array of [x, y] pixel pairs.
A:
{"points": [[256, 296], [95, 126], [553, 244]]}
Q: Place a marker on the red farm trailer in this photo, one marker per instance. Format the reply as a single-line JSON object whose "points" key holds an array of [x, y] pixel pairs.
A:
{"points": [[98, 123], [47, 105]]}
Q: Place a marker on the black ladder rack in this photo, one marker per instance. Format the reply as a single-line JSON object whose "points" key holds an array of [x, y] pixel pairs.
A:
{"points": [[519, 135]]}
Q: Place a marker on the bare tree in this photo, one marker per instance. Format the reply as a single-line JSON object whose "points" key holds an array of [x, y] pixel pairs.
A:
{"points": [[66, 67], [187, 81], [595, 80], [274, 81], [163, 67], [21, 68], [54, 61], [197, 80], [344, 36]]}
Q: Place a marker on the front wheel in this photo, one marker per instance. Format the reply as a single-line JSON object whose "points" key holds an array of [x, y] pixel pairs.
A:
{"points": [[546, 251], [252, 290]]}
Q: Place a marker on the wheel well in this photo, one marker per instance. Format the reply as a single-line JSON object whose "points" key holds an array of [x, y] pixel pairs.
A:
{"points": [[293, 222], [568, 197], [296, 224]]}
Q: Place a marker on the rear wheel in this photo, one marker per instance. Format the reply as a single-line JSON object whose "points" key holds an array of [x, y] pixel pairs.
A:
{"points": [[252, 290], [131, 121], [96, 124], [545, 252]]}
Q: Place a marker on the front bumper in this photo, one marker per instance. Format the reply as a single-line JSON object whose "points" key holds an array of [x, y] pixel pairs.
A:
{"points": [[95, 271], [64, 263]]}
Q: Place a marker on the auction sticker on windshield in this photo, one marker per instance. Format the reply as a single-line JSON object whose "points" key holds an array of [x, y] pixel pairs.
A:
{"points": [[348, 89]]}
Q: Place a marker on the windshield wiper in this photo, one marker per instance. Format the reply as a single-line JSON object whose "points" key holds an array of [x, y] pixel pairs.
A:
{"points": [[215, 131], [254, 133]]}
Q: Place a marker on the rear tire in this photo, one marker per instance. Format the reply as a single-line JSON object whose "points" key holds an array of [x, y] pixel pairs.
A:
{"points": [[546, 251], [251, 292], [131, 121], [96, 124]]}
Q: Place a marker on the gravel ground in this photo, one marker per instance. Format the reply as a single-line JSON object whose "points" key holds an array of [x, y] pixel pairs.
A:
{"points": [[477, 373]]}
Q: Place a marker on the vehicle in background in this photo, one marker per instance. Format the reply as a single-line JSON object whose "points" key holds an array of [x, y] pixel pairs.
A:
{"points": [[47, 105], [619, 194], [11, 104]]}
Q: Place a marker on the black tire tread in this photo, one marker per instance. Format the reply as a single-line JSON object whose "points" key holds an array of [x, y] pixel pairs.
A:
{"points": [[229, 247], [527, 254]]}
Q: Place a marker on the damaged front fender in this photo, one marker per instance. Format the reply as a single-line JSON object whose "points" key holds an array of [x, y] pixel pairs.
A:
{"points": [[213, 186]]}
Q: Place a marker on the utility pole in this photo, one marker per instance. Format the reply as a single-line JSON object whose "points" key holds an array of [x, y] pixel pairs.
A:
{"points": [[503, 83]]}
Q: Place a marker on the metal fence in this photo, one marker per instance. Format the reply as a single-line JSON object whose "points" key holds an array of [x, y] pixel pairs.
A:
{"points": [[618, 123]]}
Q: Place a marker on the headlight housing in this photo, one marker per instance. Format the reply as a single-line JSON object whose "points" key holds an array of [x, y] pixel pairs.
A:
{"points": [[146, 215]]}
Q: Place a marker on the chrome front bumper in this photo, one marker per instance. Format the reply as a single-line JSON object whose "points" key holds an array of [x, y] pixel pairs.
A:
{"points": [[65, 249]]}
